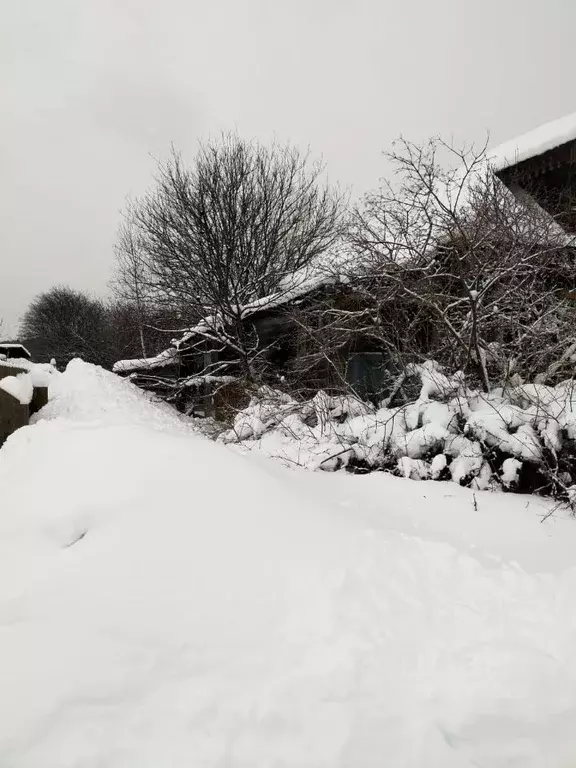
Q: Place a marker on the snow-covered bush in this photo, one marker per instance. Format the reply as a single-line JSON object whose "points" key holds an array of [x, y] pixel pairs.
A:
{"points": [[523, 439]]}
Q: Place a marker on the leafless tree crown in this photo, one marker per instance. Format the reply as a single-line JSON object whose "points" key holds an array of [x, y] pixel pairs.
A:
{"points": [[227, 230]]}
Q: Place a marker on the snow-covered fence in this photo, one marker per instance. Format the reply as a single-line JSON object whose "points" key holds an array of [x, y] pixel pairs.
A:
{"points": [[23, 391]]}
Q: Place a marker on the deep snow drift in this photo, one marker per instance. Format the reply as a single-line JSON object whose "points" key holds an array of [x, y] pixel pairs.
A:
{"points": [[165, 601]]}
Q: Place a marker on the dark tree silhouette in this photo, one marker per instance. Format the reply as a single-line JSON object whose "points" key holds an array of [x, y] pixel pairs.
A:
{"points": [[63, 323]]}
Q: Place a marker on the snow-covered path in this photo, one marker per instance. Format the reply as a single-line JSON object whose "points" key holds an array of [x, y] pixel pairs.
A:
{"points": [[165, 601]]}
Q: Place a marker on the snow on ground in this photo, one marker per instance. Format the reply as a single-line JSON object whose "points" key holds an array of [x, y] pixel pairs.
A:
{"points": [[165, 601]]}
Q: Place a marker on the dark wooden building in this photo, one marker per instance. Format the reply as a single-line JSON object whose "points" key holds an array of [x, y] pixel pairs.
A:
{"points": [[541, 166], [13, 350], [201, 375]]}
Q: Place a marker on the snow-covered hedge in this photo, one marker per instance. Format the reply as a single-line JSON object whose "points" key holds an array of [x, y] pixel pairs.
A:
{"points": [[522, 438]]}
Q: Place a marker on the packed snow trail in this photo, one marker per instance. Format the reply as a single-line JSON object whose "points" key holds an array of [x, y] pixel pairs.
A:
{"points": [[165, 601]]}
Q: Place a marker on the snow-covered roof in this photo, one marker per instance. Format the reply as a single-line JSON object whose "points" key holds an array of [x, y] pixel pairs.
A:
{"points": [[167, 357], [19, 387], [298, 287], [292, 289], [14, 345], [534, 143]]}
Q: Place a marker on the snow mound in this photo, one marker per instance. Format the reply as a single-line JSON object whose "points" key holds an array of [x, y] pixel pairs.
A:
{"points": [[88, 393], [165, 601]]}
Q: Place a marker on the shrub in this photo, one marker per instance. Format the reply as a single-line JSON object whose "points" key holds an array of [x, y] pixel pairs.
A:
{"points": [[521, 439]]}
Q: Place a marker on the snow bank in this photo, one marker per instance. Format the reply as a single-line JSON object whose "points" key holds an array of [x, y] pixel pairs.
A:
{"points": [[167, 602], [90, 394]]}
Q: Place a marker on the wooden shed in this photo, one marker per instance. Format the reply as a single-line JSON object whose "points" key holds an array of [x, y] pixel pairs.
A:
{"points": [[540, 166], [13, 350]]}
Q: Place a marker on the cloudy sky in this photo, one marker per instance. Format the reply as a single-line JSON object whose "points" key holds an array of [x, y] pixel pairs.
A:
{"points": [[92, 90]]}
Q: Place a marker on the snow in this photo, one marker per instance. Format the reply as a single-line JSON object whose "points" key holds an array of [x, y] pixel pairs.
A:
{"points": [[534, 143], [19, 386], [40, 375], [292, 289], [165, 601], [510, 471], [26, 388], [438, 465], [167, 357], [474, 432], [11, 385], [415, 469], [13, 345], [27, 365], [207, 379], [16, 362]]}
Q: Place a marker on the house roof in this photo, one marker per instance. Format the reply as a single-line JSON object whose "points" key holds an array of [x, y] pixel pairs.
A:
{"points": [[534, 143], [291, 290], [14, 345]]}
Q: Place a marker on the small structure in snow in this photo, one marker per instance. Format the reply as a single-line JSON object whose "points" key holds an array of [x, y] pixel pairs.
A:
{"points": [[23, 392], [540, 167], [10, 350], [201, 373], [163, 360]]}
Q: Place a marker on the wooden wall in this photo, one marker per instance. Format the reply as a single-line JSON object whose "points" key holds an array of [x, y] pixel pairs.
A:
{"points": [[13, 414]]}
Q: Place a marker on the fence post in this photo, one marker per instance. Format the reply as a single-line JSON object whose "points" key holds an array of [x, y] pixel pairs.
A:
{"points": [[39, 399], [13, 415]]}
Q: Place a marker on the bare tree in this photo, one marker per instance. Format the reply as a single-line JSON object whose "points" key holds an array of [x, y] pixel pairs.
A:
{"points": [[450, 265], [129, 285], [229, 231]]}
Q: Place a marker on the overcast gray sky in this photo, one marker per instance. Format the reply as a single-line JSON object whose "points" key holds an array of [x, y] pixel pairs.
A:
{"points": [[91, 89]]}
